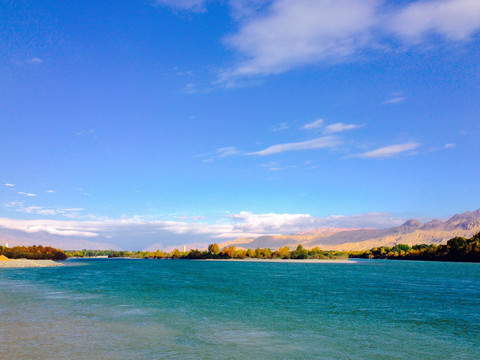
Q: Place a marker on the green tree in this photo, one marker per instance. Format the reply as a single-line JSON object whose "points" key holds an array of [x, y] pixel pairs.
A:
{"points": [[299, 253]]}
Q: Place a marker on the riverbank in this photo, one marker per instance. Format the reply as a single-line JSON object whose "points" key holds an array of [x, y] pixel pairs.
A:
{"points": [[24, 263]]}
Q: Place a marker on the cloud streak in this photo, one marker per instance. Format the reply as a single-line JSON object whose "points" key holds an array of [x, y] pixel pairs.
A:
{"points": [[388, 151], [339, 127], [26, 194], [192, 5], [394, 100], [317, 143], [316, 124]]}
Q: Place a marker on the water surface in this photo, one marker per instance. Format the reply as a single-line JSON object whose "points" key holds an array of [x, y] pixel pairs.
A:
{"points": [[180, 309]]}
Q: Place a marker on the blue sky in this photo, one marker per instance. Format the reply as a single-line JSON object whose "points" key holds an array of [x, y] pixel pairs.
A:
{"points": [[195, 121]]}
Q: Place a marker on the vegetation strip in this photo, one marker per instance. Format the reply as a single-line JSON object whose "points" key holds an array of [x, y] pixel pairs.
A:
{"points": [[456, 249]]}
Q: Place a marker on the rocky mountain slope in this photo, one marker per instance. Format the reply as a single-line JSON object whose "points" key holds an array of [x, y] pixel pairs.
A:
{"points": [[411, 232]]}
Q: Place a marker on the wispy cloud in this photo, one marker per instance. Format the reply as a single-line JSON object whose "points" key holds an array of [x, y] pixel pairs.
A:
{"points": [[220, 153], [276, 166], [394, 100], [339, 127], [85, 132], [25, 193], [388, 151], [318, 143], [31, 61], [9, 185], [316, 124], [227, 151], [192, 5], [19, 206], [50, 191], [280, 127], [449, 146], [190, 88]]}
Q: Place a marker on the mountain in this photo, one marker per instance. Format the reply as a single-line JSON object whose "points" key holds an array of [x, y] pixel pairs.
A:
{"points": [[411, 232]]}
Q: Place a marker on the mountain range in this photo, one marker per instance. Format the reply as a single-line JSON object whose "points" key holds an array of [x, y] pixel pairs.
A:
{"points": [[411, 232]]}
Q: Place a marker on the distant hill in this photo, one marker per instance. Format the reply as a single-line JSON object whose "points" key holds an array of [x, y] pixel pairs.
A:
{"points": [[412, 232]]}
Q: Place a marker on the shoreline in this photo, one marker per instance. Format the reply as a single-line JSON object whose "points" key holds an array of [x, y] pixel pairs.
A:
{"points": [[27, 263]]}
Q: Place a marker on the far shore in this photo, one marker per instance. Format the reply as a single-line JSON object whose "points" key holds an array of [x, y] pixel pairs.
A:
{"points": [[308, 261], [25, 263]]}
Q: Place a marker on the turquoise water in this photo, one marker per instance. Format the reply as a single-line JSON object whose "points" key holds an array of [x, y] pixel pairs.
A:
{"points": [[180, 309]]}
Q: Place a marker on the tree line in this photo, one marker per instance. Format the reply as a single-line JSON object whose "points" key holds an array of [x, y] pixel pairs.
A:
{"points": [[456, 249], [33, 252], [214, 252]]}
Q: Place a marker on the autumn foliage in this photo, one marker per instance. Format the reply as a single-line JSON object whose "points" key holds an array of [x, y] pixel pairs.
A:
{"points": [[33, 252]]}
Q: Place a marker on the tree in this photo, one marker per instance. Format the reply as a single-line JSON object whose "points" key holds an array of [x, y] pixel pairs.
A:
{"points": [[284, 252], [176, 254], [213, 249], [299, 253], [231, 251]]}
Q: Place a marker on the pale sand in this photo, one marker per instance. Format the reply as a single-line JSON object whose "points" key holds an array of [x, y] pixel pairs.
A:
{"points": [[305, 261], [24, 263]]}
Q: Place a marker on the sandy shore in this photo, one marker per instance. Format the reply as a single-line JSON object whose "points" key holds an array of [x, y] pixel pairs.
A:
{"points": [[23, 263], [303, 261]]}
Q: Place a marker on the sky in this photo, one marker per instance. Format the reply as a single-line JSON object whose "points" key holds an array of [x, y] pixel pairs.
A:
{"points": [[160, 123]]}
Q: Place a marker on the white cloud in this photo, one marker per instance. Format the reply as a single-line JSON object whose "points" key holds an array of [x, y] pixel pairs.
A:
{"points": [[52, 227], [449, 146], [9, 185], [388, 151], [298, 32], [453, 19], [50, 191], [394, 100], [26, 194], [339, 127], [313, 125], [279, 35], [193, 5], [135, 233], [273, 223], [318, 143]]}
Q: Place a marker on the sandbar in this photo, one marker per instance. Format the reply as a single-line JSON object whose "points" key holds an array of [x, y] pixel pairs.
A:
{"points": [[24, 263]]}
